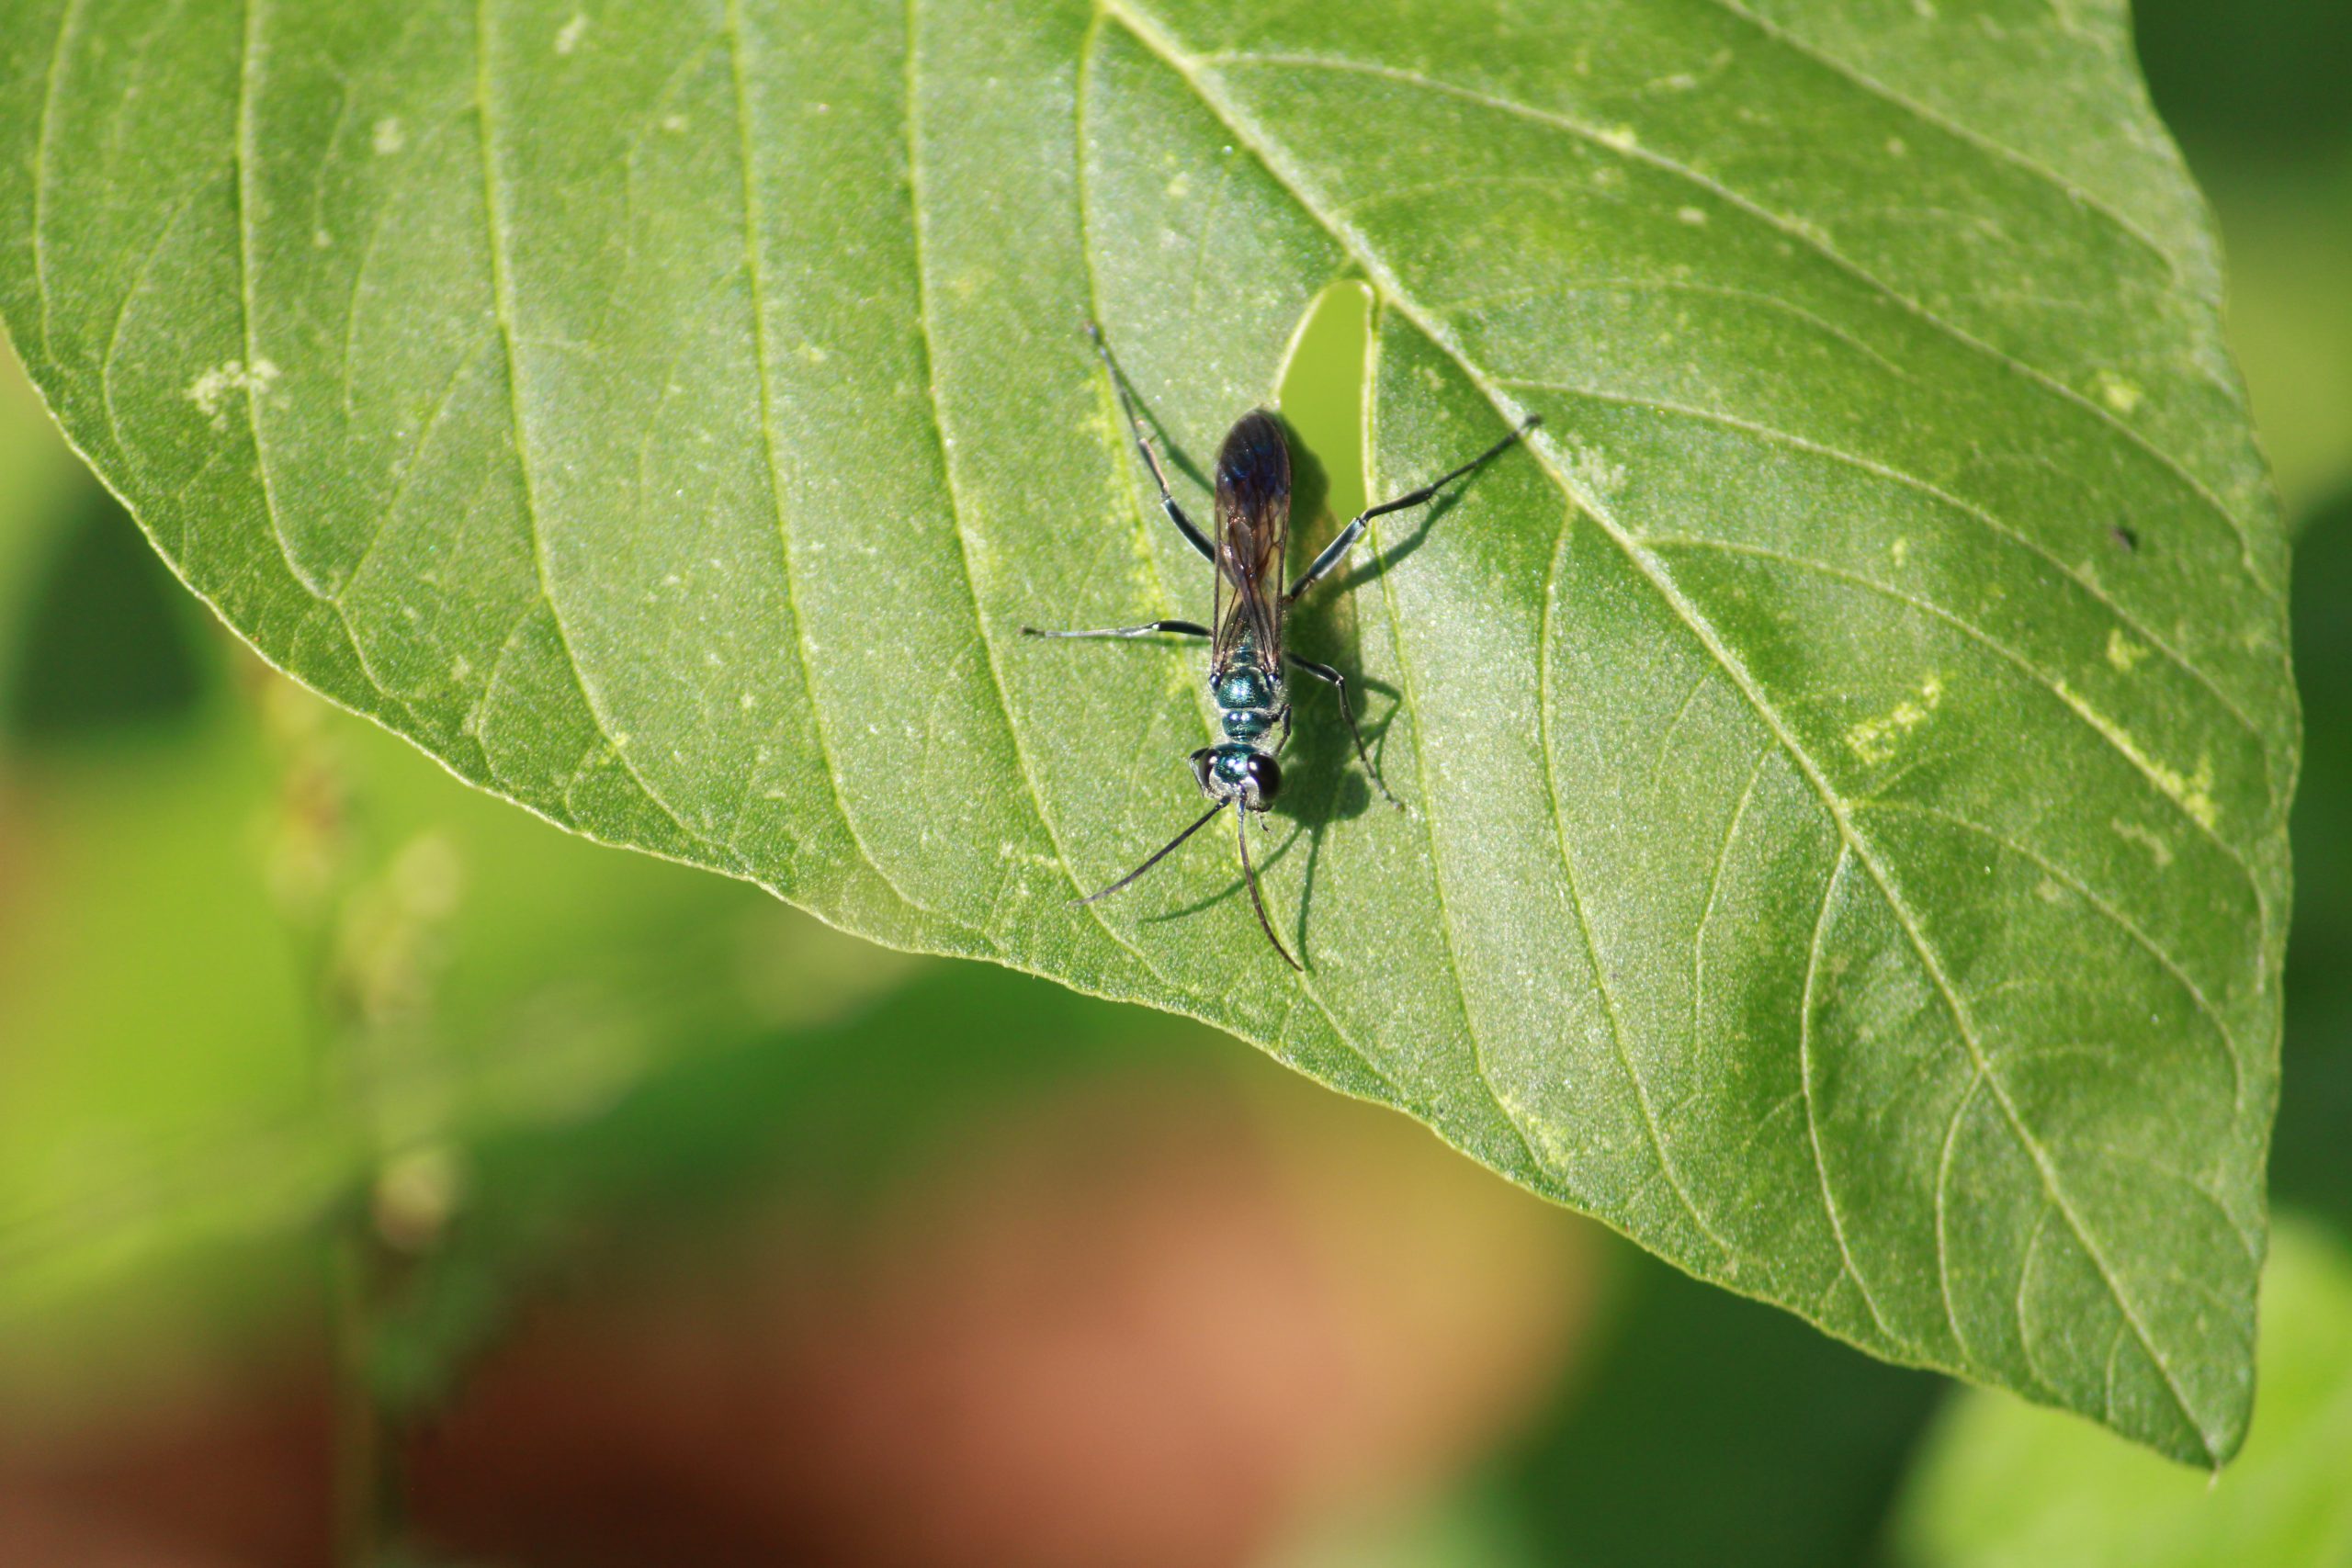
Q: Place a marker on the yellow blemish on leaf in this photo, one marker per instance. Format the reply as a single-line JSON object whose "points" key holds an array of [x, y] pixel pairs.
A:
{"points": [[1593, 474], [390, 136], [1621, 137], [2122, 652], [1900, 551], [1874, 740], [1693, 216], [2198, 792], [2117, 393], [2192, 793], [567, 38]]}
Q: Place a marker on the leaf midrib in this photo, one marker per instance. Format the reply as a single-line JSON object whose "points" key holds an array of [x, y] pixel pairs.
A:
{"points": [[1190, 66]]}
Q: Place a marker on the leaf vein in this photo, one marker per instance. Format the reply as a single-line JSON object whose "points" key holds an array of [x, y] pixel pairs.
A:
{"points": [[2108, 734], [1714, 885], [1546, 642], [2231, 1049], [1410, 700], [763, 354], [1677, 285], [503, 309], [1926, 115], [1811, 1105], [1943, 1212], [1990, 520], [51, 80], [927, 329]]}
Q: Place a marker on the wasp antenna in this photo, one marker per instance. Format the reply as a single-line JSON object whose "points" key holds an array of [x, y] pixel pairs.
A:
{"points": [[1157, 855], [1249, 874]]}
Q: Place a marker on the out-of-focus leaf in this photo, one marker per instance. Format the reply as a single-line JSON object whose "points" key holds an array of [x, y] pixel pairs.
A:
{"points": [[2290, 237], [1712, 1430], [146, 1123], [2311, 1164], [2003, 1485], [108, 643], [1848, 752], [2249, 82]]}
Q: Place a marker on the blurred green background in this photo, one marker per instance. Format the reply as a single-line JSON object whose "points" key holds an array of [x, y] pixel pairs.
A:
{"points": [[672, 1228]]}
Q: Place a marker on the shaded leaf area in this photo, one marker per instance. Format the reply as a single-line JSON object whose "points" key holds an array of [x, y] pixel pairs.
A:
{"points": [[1999, 1483], [1848, 752]]}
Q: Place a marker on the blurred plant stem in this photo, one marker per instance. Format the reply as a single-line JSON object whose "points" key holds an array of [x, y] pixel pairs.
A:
{"points": [[368, 1483], [368, 929]]}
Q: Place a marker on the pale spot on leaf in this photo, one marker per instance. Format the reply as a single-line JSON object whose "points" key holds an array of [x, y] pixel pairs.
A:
{"points": [[210, 393]]}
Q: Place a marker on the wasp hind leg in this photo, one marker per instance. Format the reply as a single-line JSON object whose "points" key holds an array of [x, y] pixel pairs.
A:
{"points": [[1339, 684], [1127, 401], [1332, 552]]}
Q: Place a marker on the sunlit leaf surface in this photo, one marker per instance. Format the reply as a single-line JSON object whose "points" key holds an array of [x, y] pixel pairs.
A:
{"points": [[1848, 754]]}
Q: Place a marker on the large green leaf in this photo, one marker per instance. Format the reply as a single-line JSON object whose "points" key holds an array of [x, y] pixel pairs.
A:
{"points": [[1848, 755]]}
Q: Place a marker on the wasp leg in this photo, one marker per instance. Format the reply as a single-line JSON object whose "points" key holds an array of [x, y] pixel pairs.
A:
{"points": [[1339, 684], [1173, 628], [1354, 531], [1184, 525]]}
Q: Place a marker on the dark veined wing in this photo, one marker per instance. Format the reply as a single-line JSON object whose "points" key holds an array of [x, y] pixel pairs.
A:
{"points": [[1252, 528]]}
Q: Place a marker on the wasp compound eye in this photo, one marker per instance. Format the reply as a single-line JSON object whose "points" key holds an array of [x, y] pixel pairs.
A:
{"points": [[1265, 774]]}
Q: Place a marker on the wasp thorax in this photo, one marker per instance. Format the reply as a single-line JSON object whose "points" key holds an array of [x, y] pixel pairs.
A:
{"points": [[1243, 688]]}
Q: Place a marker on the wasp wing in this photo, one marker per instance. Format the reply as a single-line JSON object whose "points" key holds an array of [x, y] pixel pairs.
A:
{"points": [[1252, 529]]}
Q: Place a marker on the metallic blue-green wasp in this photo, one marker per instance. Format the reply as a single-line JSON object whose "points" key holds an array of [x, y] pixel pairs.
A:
{"points": [[1246, 659]]}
